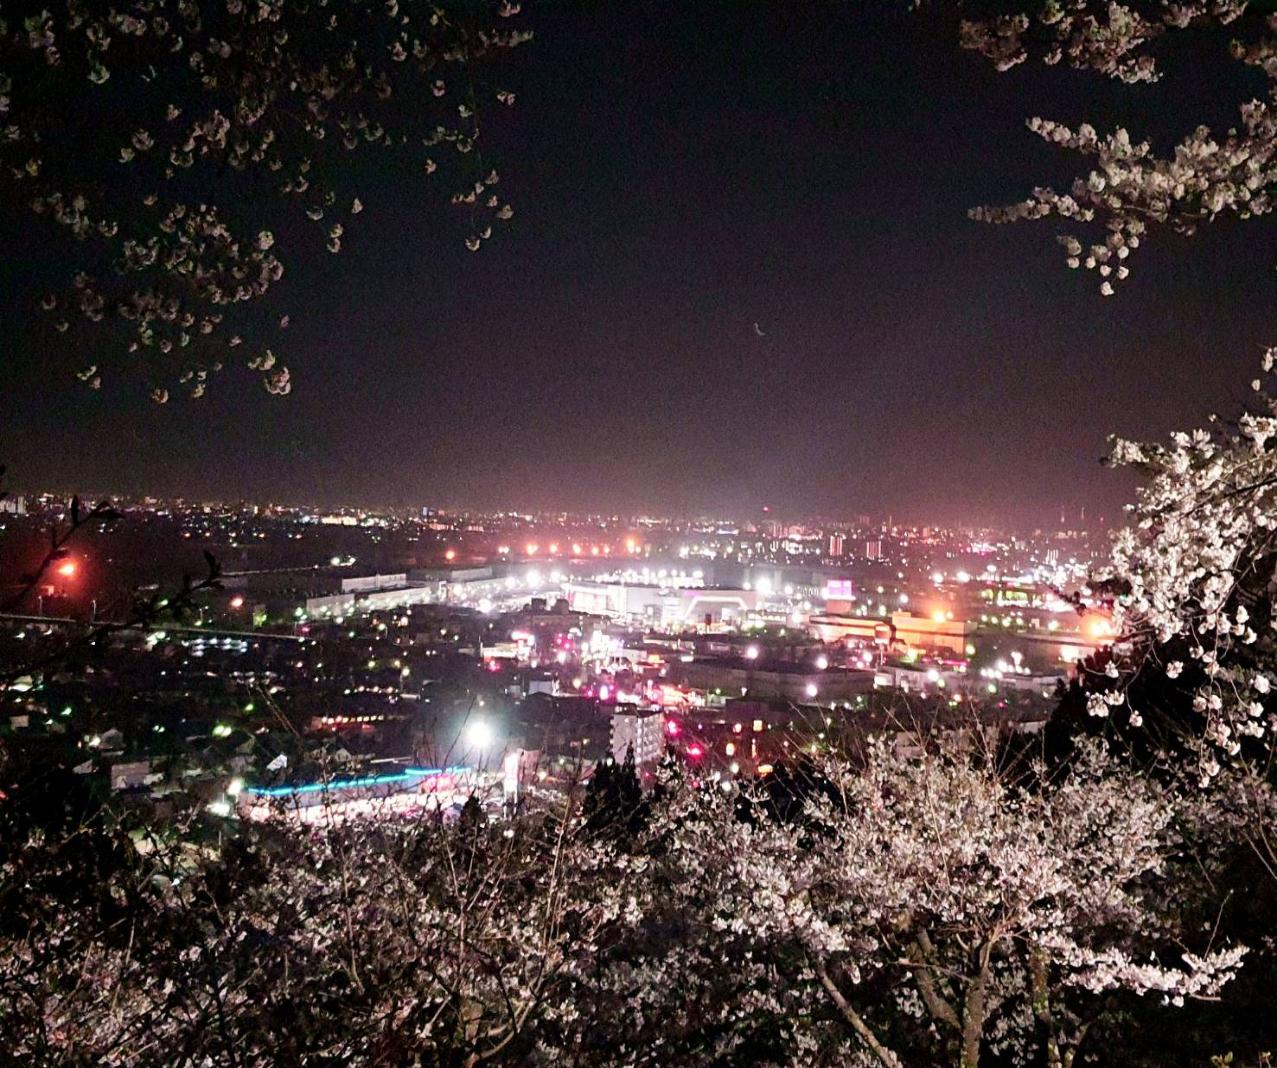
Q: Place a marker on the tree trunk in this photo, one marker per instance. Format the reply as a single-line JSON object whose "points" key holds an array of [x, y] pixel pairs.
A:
{"points": [[1042, 1009], [974, 1009]]}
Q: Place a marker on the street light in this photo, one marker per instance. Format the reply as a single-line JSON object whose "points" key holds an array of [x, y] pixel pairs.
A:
{"points": [[479, 734]]}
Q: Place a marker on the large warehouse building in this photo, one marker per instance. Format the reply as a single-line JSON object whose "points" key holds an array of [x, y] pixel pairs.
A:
{"points": [[662, 606]]}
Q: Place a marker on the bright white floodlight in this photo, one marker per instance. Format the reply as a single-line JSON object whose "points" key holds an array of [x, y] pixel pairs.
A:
{"points": [[478, 734]]}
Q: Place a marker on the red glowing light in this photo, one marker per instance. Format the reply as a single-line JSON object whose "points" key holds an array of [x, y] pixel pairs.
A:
{"points": [[67, 570], [695, 751]]}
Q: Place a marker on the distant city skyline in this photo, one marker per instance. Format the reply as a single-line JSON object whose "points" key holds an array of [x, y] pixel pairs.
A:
{"points": [[18, 497]]}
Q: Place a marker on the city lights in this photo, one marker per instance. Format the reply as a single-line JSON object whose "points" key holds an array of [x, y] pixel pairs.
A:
{"points": [[645, 635], [479, 734]]}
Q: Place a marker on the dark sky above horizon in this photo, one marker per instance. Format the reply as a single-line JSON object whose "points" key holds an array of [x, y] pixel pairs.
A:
{"points": [[682, 171]]}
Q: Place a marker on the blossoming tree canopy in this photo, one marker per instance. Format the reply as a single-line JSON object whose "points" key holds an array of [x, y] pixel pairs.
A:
{"points": [[1194, 573], [229, 119], [913, 911], [1130, 188]]}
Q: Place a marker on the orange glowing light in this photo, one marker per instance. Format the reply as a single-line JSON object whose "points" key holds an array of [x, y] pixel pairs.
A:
{"points": [[576, 549], [67, 570], [532, 548], [554, 547], [1098, 627], [451, 554]]}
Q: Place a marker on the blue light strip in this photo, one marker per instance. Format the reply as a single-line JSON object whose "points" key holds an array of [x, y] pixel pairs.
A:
{"points": [[347, 784]]}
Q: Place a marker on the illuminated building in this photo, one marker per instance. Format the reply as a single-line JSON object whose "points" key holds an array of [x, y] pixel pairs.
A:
{"points": [[661, 605], [371, 795], [368, 583], [338, 604], [641, 731], [916, 632]]}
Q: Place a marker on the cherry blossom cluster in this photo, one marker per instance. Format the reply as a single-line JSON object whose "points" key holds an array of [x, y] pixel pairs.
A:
{"points": [[219, 108], [1196, 569], [375, 942], [1101, 35], [935, 897], [912, 904], [1129, 188]]}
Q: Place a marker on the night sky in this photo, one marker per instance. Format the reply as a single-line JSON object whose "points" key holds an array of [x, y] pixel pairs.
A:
{"points": [[682, 171]]}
